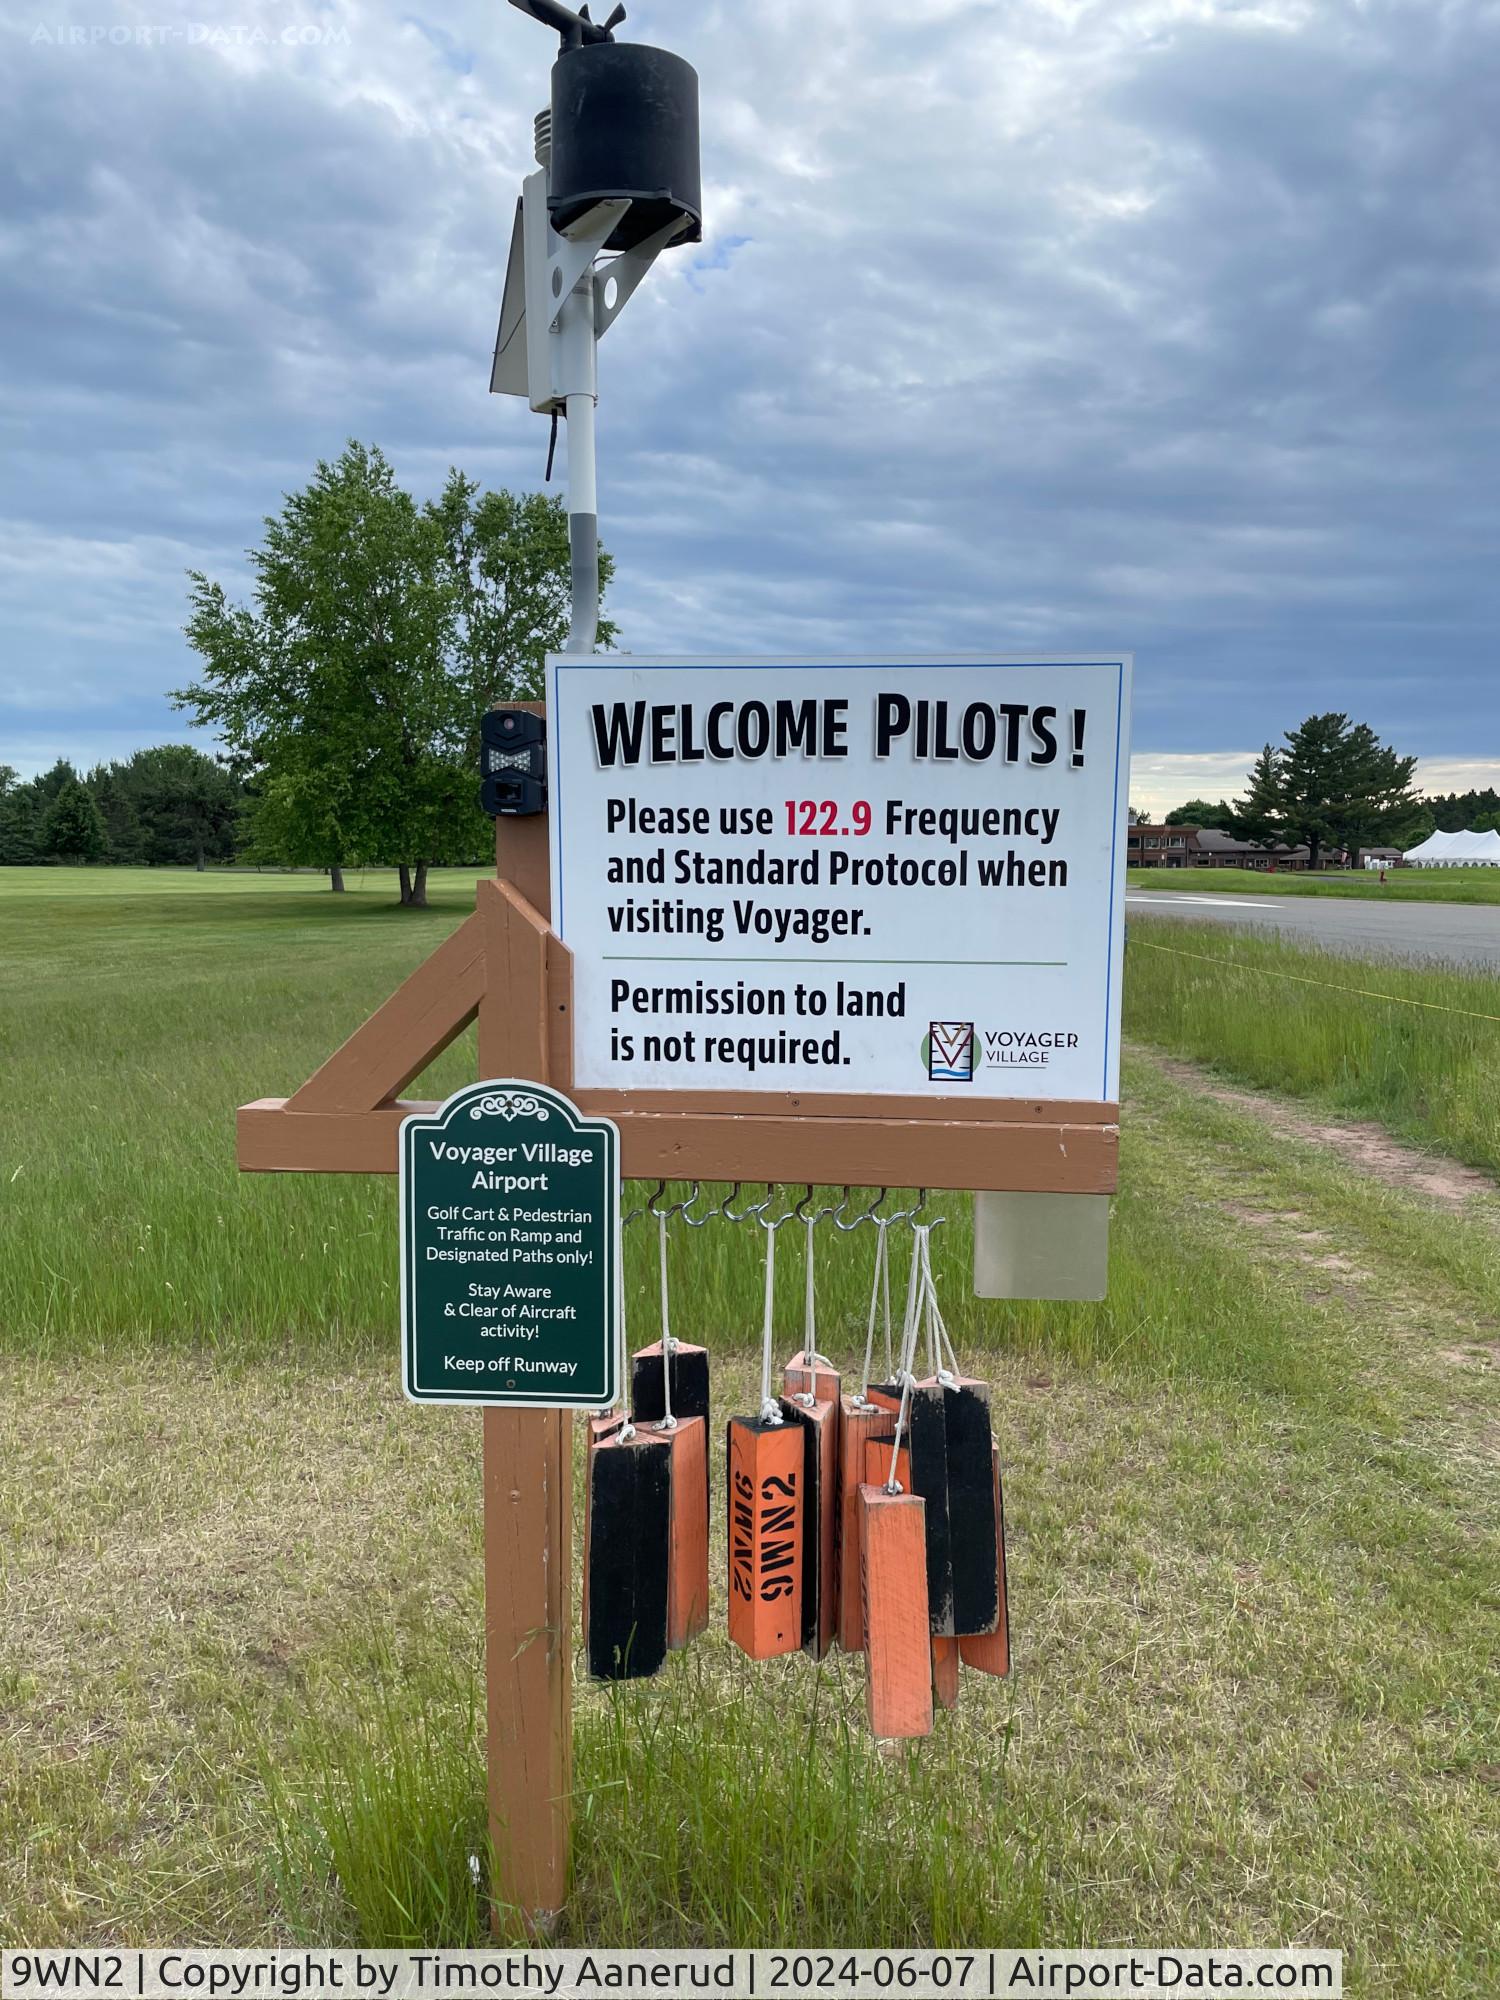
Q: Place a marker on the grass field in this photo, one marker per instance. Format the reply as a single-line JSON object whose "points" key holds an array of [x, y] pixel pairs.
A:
{"points": [[1402, 885], [1415, 1048], [1251, 1501]]}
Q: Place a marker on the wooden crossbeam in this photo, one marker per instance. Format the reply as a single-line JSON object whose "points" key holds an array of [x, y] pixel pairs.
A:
{"points": [[276, 1138]]}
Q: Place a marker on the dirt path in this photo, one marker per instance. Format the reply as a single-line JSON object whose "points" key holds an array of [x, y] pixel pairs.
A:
{"points": [[1368, 1147]]}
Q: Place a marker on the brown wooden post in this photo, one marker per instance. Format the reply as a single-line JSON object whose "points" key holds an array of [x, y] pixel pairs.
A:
{"points": [[528, 1483]]}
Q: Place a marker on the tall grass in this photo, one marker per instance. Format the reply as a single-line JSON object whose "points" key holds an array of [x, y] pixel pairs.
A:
{"points": [[708, 1807], [1407, 1046], [135, 1014], [133, 1023]]}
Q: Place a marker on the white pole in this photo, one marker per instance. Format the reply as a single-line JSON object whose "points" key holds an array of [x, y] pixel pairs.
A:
{"points": [[580, 374]]}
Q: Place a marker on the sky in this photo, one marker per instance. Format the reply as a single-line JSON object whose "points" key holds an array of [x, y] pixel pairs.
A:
{"points": [[1166, 325]]}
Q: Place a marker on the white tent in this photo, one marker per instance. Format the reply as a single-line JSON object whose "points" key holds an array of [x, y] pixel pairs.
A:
{"points": [[1456, 850]]}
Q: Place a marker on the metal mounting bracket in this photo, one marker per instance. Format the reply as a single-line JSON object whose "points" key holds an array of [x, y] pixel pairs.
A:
{"points": [[626, 271], [573, 254]]}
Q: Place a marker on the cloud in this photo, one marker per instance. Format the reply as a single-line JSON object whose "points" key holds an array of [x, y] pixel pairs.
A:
{"points": [[1168, 324], [1161, 781]]}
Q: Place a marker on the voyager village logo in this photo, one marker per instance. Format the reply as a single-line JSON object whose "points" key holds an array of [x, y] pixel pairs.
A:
{"points": [[953, 1050]]}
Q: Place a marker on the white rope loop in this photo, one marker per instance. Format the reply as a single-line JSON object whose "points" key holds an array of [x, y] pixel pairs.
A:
{"points": [[770, 1412], [627, 1428], [668, 1345], [939, 1343], [911, 1327], [880, 1288], [810, 1355]]}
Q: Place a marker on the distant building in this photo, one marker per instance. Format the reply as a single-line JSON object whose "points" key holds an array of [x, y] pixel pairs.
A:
{"points": [[1162, 846], [1206, 847]]}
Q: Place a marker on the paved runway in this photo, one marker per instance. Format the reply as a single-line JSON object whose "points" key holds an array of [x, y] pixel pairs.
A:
{"points": [[1460, 933]]}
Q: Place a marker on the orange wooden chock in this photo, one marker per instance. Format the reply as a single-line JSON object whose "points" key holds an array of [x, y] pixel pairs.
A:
{"points": [[860, 1424], [766, 1482], [818, 1424], [945, 1672], [768, 1475], [687, 1537], [990, 1653], [898, 1646]]}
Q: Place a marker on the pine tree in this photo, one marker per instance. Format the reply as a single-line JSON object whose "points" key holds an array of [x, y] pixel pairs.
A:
{"points": [[72, 829], [1258, 815], [50, 783], [20, 827], [1377, 793], [1341, 786], [124, 839]]}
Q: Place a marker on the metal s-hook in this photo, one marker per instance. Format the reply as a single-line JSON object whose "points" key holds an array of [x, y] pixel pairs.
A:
{"points": [[695, 1221], [776, 1222], [870, 1214]]}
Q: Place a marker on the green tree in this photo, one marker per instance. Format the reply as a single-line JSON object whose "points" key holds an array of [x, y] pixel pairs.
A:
{"points": [[1198, 812], [125, 843], [1377, 793], [1340, 786], [20, 827], [186, 805], [9, 779], [508, 557], [1258, 816], [71, 828], [50, 783], [380, 632], [1463, 812]]}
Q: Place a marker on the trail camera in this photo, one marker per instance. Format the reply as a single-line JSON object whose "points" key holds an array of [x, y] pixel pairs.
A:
{"points": [[513, 759]]}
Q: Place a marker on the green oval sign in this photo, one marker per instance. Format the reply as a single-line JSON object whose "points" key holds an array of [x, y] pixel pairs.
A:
{"points": [[510, 1225]]}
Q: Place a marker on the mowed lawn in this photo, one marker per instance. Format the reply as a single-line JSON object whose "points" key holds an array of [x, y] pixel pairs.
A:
{"points": [[1251, 1502]]}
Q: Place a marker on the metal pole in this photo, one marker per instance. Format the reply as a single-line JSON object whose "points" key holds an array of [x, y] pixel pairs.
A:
{"points": [[580, 365]]}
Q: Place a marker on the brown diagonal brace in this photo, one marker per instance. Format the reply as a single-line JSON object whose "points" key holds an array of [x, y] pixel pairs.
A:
{"points": [[427, 1012]]}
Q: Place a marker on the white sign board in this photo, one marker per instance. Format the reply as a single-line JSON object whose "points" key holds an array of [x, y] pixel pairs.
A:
{"points": [[894, 876]]}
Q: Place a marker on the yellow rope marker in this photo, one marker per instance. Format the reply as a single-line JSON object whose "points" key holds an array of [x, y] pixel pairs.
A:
{"points": [[1301, 979]]}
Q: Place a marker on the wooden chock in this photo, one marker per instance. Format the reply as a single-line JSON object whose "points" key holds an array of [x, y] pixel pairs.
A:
{"points": [[878, 1463], [926, 1426], [629, 1536], [885, 1396], [687, 1564], [990, 1654], [767, 1476], [898, 1644], [945, 1672], [972, 1520], [690, 1389], [690, 1392], [818, 1423], [597, 1431], [826, 1384], [859, 1424]]}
